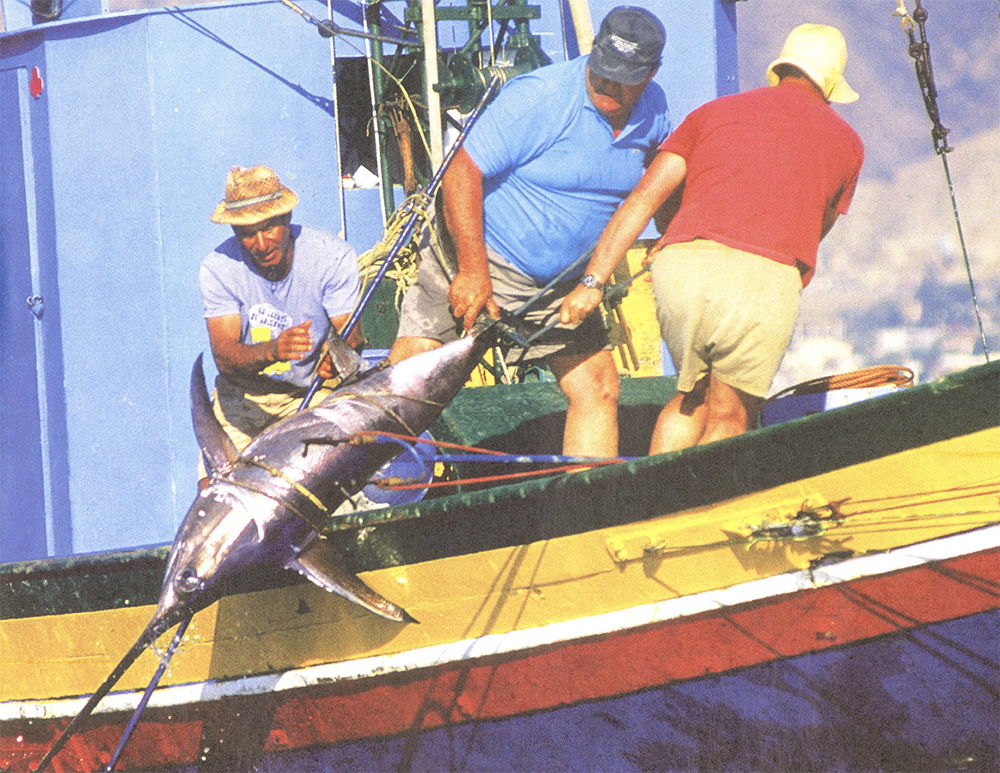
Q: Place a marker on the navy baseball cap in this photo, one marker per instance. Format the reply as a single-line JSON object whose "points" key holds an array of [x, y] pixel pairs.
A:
{"points": [[628, 46]]}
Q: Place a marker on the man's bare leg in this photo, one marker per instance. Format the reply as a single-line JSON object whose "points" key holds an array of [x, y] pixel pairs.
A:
{"points": [[730, 411], [682, 422], [590, 382]]}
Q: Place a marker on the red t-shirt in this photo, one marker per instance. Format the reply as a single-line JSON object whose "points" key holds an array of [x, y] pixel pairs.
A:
{"points": [[762, 167]]}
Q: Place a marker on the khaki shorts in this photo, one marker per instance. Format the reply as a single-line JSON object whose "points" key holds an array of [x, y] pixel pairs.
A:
{"points": [[426, 313], [724, 311], [244, 413]]}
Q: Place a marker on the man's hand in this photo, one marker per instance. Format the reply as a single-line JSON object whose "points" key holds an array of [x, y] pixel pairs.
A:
{"points": [[294, 343], [470, 292], [580, 302]]}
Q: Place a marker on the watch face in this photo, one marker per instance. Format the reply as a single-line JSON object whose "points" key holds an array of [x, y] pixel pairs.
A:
{"points": [[591, 282]]}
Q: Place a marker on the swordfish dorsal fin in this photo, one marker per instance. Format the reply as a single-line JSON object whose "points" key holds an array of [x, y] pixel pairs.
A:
{"points": [[216, 446], [319, 563]]}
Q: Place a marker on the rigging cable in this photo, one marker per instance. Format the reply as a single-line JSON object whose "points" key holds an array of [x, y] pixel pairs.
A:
{"points": [[336, 122], [921, 53]]}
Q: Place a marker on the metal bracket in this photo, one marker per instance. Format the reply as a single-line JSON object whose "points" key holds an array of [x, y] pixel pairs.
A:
{"points": [[37, 305]]}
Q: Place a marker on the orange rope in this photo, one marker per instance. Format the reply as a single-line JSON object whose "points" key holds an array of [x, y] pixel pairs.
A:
{"points": [[373, 435], [876, 375], [922, 502], [391, 486], [969, 487]]}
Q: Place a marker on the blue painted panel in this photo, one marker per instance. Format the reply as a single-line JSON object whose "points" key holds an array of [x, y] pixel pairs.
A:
{"points": [[16, 16], [34, 501], [110, 275], [22, 512], [142, 116], [58, 503], [727, 79]]}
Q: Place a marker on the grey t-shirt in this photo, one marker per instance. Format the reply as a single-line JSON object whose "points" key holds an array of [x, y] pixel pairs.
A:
{"points": [[323, 283]]}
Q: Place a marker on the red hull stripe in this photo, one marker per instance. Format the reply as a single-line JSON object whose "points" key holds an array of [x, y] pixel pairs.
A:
{"points": [[615, 664]]}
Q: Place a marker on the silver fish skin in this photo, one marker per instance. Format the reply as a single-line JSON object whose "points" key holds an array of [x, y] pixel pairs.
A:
{"points": [[265, 506]]}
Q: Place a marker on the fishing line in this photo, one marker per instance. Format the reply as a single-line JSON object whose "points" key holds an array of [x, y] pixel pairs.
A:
{"points": [[921, 54]]}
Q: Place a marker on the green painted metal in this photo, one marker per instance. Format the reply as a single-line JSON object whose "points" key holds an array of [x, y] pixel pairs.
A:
{"points": [[515, 514], [380, 320], [373, 17], [481, 416]]}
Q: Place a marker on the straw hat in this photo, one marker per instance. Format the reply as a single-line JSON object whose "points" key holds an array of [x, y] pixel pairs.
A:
{"points": [[253, 195], [821, 53]]}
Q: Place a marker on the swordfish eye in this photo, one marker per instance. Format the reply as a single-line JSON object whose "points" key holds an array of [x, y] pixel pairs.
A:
{"points": [[188, 581]]}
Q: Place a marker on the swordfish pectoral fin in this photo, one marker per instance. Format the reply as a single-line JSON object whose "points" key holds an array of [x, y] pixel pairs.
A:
{"points": [[216, 446], [319, 563]]}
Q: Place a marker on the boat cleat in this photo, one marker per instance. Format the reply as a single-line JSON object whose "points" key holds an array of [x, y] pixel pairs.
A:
{"points": [[801, 520]]}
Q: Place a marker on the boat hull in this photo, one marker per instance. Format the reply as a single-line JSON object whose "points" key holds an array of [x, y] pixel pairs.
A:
{"points": [[577, 597], [843, 672]]}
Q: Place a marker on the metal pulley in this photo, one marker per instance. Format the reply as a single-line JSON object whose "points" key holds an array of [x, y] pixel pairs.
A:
{"points": [[462, 83]]}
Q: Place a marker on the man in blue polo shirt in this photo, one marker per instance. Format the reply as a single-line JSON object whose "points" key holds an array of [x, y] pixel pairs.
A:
{"points": [[529, 193]]}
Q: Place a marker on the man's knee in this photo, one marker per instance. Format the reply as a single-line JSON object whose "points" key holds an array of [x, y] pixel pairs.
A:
{"points": [[729, 405], [593, 382]]}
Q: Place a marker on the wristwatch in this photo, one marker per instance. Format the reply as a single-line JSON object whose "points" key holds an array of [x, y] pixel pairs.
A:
{"points": [[590, 281]]}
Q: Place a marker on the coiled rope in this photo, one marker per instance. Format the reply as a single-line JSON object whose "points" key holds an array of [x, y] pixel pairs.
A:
{"points": [[404, 269], [866, 378]]}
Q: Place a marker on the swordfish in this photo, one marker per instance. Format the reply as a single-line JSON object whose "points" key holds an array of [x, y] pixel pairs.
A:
{"points": [[267, 505]]}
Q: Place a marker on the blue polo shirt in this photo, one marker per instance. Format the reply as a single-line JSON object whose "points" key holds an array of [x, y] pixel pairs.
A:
{"points": [[554, 172]]}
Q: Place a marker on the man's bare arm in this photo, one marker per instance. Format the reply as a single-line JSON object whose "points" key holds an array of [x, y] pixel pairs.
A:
{"points": [[471, 290], [235, 358]]}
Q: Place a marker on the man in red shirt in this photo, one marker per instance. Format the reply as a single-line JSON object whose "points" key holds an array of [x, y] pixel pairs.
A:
{"points": [[766, 174]]}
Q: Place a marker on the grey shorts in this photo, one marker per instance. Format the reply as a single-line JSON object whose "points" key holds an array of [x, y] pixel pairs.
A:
{"points": [[724, 311], [426, 313]]}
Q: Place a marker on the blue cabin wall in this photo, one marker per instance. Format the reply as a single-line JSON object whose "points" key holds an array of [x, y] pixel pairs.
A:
{"points": [[107, 180]]}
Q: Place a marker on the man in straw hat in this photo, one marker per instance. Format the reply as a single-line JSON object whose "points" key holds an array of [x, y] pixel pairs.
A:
{"points": [[538, 178], [271, 293], [766, 173]]}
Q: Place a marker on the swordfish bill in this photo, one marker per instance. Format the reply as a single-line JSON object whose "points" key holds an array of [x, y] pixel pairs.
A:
{"points": [[268, 505]]}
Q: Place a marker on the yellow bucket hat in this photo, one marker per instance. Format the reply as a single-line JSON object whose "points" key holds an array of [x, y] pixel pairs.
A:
{"points": [[253, 195], [821, 53]]}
